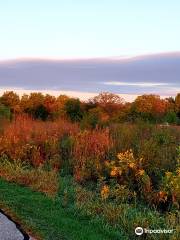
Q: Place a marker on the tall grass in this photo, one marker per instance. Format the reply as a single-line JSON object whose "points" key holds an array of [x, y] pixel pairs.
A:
{"points": [[36, 178], [33, 141]]}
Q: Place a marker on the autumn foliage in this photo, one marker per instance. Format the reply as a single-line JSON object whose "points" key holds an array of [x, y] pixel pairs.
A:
{"points": [[34, 141], [90, 150], [103, 140], [102, 109]]}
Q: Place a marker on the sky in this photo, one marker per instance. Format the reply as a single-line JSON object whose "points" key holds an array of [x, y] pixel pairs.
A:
{"points": [[84, 47], [87, 29], [150, 74]]}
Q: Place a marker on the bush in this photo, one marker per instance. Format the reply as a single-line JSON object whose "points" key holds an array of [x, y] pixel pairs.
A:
{"points": [[129, 173], [90, 151], [91, 119], [171, 117], [155, 144], [159, 152], [34, 141]]}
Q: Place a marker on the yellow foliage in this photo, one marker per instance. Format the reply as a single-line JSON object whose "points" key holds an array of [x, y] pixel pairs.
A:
{"points": [[105, 192], [141, 172], [132, 165]]}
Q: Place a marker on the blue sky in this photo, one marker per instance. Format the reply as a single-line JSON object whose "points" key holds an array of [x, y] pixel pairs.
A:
{"points": [[88, 28]]}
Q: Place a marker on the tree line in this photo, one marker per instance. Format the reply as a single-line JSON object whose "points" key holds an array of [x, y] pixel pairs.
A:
{"points": [[101, 109]]}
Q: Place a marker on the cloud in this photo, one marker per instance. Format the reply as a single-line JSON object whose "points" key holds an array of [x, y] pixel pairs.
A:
{"points": [[157, 74], [136, 84]]}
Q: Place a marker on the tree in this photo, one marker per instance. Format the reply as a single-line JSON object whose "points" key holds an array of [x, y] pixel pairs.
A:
{"points": [[73, 109], [5, 112], [60, 103], [11, 100], [32, 103], [126, 114], [24, 102], [35, 100], [40, 112], [108, 101], [177, 104], [171, 104], [150, 107], [61, 100]]}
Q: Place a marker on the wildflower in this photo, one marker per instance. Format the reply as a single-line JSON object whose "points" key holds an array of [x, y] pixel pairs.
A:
{"points": [[120, 172], [178, 171], [141, 172], [162, 196], [132, 165], [106, 163], [168, 174], [105, 192], [114, 172]]}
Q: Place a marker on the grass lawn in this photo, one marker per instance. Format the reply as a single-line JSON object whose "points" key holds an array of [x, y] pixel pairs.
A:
{"points": [[48, 218]]}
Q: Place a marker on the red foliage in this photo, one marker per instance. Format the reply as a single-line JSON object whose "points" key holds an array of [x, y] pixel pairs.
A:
{"points": [[89, 153], [35, 141]]}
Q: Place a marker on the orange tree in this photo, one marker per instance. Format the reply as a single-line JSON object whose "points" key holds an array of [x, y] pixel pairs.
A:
{"points": [[150, 107], [11, 100]]}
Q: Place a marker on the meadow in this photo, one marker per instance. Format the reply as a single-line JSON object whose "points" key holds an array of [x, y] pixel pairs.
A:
{"points": [[90, 170]]}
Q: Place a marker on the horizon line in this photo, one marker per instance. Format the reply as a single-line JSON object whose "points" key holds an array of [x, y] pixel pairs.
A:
{"points": [[82, 95], [117, 58]]}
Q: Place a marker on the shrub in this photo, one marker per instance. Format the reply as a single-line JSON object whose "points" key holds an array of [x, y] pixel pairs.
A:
{"points": [[129, 172], [90, 150], [171, 117], [156, 145], [34, 141], [92, 119], [171, 187], [159, 152]]}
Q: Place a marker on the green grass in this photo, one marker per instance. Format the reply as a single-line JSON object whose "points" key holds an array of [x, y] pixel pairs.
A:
{"points": [[47, 217]]}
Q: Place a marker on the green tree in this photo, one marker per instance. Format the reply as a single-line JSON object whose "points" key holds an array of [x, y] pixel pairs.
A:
{"points": [[171, 117], [5, 112], [92, 118], [73, 109], [40, 112]]}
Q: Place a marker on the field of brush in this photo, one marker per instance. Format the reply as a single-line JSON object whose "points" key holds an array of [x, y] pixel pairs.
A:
{"points": [[93, 183]]}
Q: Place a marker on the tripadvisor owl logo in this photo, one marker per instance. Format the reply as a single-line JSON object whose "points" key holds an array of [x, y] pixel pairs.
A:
{"points": [[139, 231]]}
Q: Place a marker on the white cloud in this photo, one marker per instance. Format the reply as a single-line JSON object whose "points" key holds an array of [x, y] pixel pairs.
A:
{"points": [[136, 84]]}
